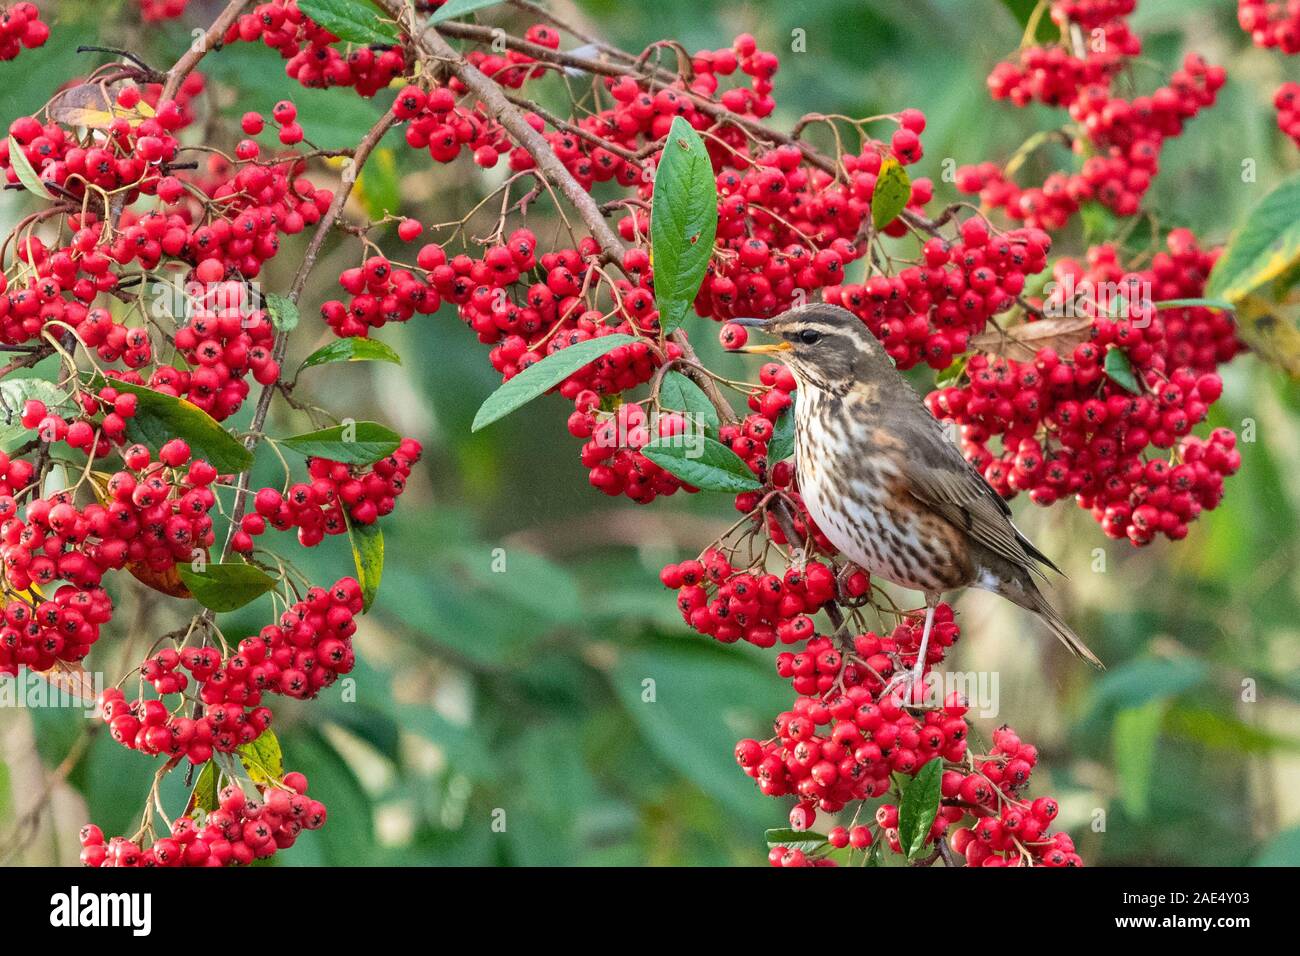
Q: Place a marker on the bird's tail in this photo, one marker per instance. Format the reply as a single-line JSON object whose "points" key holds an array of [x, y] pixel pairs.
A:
{"points": [[1018, 586], [1052, 618]]}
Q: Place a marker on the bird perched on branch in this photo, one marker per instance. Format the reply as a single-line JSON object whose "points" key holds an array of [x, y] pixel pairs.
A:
{"points": [[883, 482]]}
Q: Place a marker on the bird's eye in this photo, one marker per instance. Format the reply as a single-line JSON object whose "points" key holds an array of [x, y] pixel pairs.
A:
{"points": [[810, 336]]}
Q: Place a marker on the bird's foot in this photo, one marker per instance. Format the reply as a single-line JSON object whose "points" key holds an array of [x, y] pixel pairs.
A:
{"points": [[908, 686]]}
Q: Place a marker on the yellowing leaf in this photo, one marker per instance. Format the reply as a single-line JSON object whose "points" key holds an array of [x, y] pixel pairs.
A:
{"points": [[1265, 247], [1270, 333]]}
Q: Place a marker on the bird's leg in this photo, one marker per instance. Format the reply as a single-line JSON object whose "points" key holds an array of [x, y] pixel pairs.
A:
{"points": [[915, 677], [918, 670]]}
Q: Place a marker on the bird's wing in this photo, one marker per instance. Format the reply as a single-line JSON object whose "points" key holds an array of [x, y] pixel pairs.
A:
{"points": [[936, 473]]}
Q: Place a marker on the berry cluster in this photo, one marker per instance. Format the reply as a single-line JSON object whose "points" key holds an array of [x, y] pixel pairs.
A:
{"points": [[381, 294], [612, 452], [336, 495], [131, 157], [21, 28], [927, 313], [237, 831], [730, 603], [1053, 75], [1008, 829], [306, 651], [1271, 24], [849, 733], [308, 47], [1067, 428], [222, 343], [1121, 138], [443, 127]]}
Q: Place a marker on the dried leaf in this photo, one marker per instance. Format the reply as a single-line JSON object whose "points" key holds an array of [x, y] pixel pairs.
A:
{"points": [[94, 106], [1022, 342]]}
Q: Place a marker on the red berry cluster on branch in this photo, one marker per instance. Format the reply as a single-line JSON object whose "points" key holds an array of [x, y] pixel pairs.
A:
{"points": [[1272, 24], [730, 603], [308, 47], [927, 313], [1275, 24], [848, 734], [239, 830], [1066, 427], [21, 28], [306, 651], [1120, 138], [336, 495], [1054, 75]]}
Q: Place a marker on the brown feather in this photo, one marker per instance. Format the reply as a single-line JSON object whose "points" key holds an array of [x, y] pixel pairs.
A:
{"points": [[938, 475]]}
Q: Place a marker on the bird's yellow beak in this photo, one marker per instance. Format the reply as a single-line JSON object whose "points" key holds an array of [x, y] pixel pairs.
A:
{"points": [[767, 348]]}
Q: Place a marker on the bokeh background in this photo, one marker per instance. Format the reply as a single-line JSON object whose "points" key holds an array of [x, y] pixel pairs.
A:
{"points": [[481, 693]]}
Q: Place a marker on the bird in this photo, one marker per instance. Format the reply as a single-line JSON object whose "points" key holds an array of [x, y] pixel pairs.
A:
{"points": [[884, 483]]}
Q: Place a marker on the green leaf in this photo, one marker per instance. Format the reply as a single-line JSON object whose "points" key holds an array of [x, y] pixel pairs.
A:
{"points": [[458, 8], [1213, 729], [368, 555], [1139, 681], [704, 699], [707, 464], [225, 587], [1195, 303], [918, 808], [24, 171], [283, 311], [805, 840], [263, 758], [351, 350], [352, 21], [378, 186], [781, 445], [1134, 737], [1263, 248], [952, 373], [204, 795], [545, 375], [893, 190], [1099, 223], [683, 222], [678, 392], [160, 418], [354, 443], [1120, 370]]}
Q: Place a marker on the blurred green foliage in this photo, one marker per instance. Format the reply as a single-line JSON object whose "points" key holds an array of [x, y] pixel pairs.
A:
{"points": [[506, 718]]}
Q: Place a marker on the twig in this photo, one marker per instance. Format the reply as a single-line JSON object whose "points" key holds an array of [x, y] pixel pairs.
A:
{"points": [[349, 179], [201, 48]]}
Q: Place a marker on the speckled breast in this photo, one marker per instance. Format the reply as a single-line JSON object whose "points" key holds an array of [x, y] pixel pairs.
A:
{"points": [[851, 486]]}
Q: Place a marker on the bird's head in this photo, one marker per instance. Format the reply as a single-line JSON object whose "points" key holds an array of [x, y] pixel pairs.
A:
{"points": [[824, 345]]}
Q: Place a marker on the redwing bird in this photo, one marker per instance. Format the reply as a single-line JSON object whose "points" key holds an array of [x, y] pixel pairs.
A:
{"points": [[883, 482]]}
